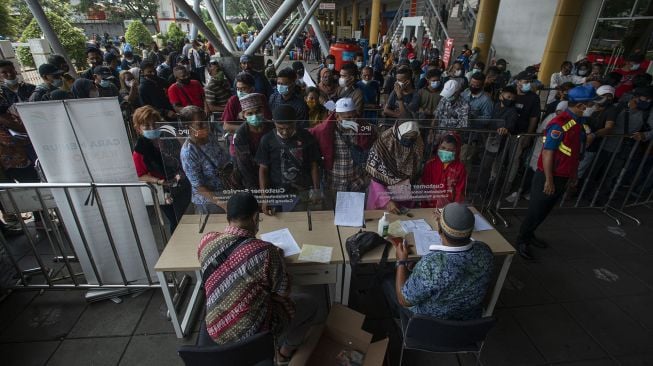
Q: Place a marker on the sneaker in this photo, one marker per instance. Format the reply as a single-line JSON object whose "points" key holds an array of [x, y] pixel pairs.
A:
{"points": [[513, 197]]}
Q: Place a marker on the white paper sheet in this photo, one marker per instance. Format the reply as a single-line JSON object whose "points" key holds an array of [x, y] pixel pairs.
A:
{"points": [[283, 239], [424, 239], [350, 209], [315, 253], [410, 226], [481, 224]]}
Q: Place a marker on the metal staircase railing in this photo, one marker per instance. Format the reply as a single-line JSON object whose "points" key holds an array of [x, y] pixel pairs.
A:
{"points": [[431, 18], [396, 21], [467, 15]]}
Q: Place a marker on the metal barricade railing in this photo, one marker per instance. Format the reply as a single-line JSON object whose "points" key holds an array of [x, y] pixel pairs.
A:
{"points": [[614, 174], [49, 200]]}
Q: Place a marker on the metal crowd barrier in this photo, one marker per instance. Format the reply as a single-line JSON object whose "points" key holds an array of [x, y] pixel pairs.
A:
{"points": [[612, 177], [39, 197]]}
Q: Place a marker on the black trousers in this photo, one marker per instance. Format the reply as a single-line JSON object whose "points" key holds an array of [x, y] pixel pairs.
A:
{"points": [[540, 204]]}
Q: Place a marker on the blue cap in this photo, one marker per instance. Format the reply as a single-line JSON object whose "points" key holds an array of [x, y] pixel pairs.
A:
{"points": [[583, 93]]}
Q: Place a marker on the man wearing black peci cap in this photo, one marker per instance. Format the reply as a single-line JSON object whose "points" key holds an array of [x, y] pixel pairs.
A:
{"points": [[288, 159], [52, 80]]}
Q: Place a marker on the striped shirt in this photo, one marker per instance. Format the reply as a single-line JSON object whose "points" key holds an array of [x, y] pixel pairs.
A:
{"points": [[245, 283]]}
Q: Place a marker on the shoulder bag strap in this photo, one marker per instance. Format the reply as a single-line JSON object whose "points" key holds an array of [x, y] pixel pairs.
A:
{"points": [[221, 258]]}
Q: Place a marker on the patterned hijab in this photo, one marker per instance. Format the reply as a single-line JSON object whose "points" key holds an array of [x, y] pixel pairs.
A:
{"points": [[390, 162]]}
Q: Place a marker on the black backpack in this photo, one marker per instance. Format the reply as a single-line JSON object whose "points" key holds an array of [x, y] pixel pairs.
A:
{"points": [[364, 241]]}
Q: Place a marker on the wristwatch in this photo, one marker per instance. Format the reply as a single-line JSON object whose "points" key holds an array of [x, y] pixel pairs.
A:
{"points": [[400, 263]]}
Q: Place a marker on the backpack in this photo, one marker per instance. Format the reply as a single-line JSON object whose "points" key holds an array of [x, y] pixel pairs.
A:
{"points": [[364, 241]]}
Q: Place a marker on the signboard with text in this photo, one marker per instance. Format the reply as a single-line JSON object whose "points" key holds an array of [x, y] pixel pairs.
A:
{"points": [[328, 6], [448, 49]]}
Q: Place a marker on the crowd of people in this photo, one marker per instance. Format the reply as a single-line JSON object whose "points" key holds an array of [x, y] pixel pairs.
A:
{"points": [[382, 127]]}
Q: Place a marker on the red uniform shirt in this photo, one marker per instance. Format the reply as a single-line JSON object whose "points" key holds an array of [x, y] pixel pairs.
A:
{"points": [[566, 137]]}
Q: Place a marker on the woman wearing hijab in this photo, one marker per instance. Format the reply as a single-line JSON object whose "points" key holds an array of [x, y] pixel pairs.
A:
{"points": [[446, 173], [393, 163]]}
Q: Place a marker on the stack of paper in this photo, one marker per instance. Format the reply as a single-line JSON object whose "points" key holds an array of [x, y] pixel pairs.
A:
{"points": [[481, 224], [410, 226], [283, 239], [424, 239], [315, 253]]}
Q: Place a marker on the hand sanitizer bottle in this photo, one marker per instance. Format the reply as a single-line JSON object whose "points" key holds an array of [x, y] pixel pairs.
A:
{"points": [[382, 229]]}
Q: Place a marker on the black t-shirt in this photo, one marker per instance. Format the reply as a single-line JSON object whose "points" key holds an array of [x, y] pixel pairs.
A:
{"points": [[289, 162], [528, 106], [597, 122]]}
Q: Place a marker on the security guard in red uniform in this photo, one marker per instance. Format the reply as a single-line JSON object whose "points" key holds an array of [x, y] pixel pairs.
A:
{"points": [[564, 142]]}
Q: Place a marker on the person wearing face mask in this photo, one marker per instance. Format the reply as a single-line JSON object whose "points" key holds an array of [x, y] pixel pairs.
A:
{"points": [[94, 58], [157, 161], [429, 96], [316, 110], [581, 73], [130, 60], [254, 295], [261, 83], [52, 80], [403, 101], [327, 86], [478, 67], [288, 158], [344, 142], [184, 62], [371, 90], [111, 61], [393, 164], [446, 173], [628, 71], [457, 72], [231, 117], [561, 77], [185, 91], [564, 142], [601, 119], [452, 110], [248, 138], [217, 89], [287, 94], [557, 96], [203, 161], [101, 86], [152, 91], [12, 89], [480, 104], [504, 74], [298, 67], [128, 94], [347, 86], [358, 61]]}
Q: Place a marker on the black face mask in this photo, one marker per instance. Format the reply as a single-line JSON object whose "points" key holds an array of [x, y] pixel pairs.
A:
{"points": [[405, 142], [507, 102], [184, 81], [475, 90]]}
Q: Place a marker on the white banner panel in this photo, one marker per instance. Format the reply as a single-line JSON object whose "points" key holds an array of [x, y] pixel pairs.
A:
{"points": [[103, 147]]}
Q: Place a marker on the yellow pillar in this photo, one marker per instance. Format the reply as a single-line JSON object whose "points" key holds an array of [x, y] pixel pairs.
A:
{"points": [[560, 37], [374, 21], [485, 21], [354, 17]]}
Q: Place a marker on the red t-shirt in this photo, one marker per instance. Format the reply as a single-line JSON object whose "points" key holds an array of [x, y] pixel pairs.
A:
{"points": [[449, 182], [308, 43], [141, 168], [185, 95]]}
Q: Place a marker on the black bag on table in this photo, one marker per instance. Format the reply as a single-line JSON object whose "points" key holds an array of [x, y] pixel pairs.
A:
{"points": [[364, 241]]}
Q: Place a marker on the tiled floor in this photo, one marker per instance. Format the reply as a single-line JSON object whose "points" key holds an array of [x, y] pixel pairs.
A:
{"points": [[586, 301]]}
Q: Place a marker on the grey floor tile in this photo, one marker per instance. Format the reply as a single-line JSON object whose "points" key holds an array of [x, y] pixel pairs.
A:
{"points": [[106, 318], [600, 362], [608, 242], [522, 288], [567, 244], [617, 333], [611, 278], [49, 316], [507, 344], [154, 320], [636, 360], [564, 282], [89, 351], [13, 305], [556, 335], [640, 235], [638, 307], [27, 354], [159, 350], [639, 266]]}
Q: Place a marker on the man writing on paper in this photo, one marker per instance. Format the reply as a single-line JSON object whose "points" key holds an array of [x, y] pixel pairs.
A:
{"points": [[246, 285], [448, 283]]}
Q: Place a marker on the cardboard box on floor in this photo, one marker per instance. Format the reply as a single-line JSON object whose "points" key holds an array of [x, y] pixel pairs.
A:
{"points": [[341, 331]]}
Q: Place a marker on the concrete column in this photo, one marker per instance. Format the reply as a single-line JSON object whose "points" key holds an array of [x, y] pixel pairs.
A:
{"points": [[560, 37], [354, 17], [193, 28], [486, 19], [375, 21]]}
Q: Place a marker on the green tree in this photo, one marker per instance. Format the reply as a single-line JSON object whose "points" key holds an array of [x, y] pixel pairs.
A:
{"points": [[175, 35], [241, 9], [241, 28], [59, 7], [72, 39], [8, 24], [145, 10], [137, 33]]}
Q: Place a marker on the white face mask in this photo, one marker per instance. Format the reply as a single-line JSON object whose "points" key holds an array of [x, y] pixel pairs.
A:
{"points": [[342, 82], [10, 83], [458, 73], [331, 66], [129, 83], [634, 67], [589, 111], [349, 124]]}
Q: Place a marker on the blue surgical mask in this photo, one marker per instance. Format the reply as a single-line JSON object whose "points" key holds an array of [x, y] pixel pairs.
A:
{"points": [[283, 89], [151, 134], [57, 83], [435, 84], [105, 83], [446, 156], [254, 120], [526, 87], [241, 94]]}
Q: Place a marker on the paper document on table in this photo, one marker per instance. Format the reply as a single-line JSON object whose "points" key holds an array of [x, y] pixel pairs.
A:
{"points": [[315, 253], [411, 225], [283, 239], [481, 224], [350, 209], [424, 239]]}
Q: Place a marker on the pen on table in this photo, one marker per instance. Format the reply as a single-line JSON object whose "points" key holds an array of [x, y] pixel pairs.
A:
{"points": [[310, 222]]}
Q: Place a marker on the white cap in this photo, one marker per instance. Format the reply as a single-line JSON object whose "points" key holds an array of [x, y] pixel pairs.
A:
{"points": [[345, 105], [450, 88], [605, 89], [407, 127], [562, 106]]}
